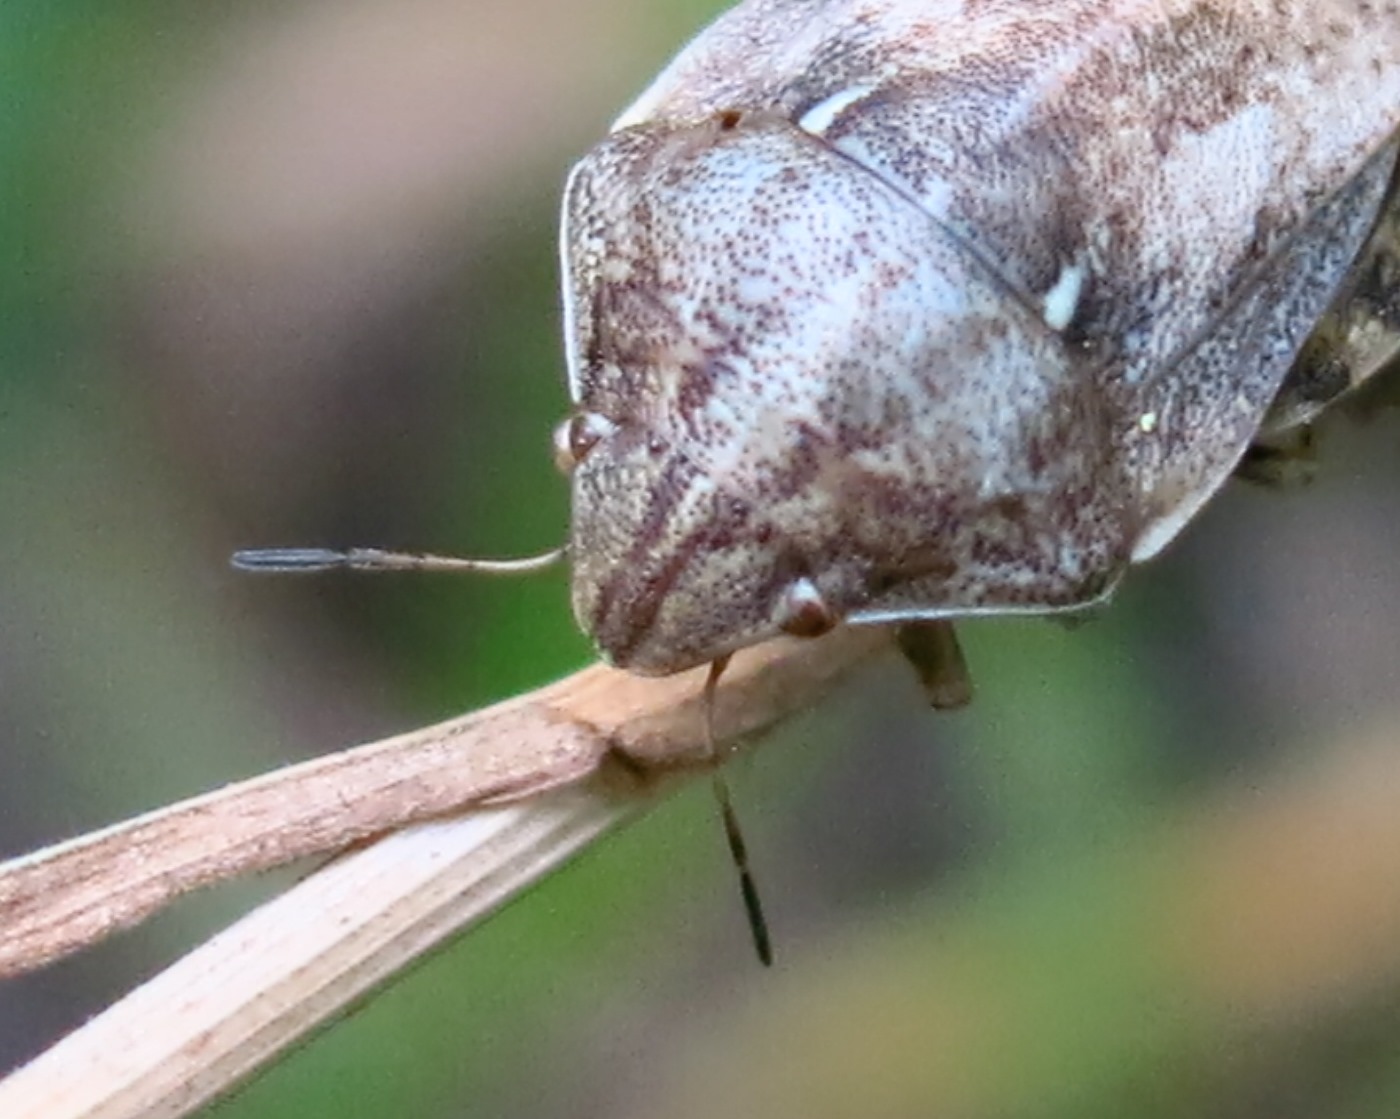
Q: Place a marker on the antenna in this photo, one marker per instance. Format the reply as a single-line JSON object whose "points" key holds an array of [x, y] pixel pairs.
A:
{"points": [[738, 850], [303, 561]]}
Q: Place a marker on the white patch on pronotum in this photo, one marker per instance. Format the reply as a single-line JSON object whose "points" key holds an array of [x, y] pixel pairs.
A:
{"points": [[1062, 301], [1147, 423], [816, 120]]}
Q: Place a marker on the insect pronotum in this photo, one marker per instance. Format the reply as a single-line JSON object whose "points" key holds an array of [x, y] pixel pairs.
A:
{"points": [[900, 311]]}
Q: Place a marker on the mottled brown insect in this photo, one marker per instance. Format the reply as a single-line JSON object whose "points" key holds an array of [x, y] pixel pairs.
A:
{"points": [[904, 310]]}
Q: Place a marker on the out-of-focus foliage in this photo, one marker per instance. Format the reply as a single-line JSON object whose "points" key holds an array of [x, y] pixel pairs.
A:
{"points": [[283, 273]]}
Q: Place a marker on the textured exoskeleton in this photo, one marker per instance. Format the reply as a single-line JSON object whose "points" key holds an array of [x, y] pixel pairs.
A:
{"points": [[1358, 338], [881, 310]]}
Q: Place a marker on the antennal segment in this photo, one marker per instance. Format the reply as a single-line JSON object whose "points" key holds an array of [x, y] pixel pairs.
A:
{"points": [[738, 850], [308, 560]]}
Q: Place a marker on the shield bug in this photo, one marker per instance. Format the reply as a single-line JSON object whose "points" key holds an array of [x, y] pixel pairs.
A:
{"points": [[884, 311], [905, 310], [900, 311]]}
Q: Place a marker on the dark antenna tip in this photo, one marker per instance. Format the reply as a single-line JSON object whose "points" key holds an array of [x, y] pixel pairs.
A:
{"points": [[733, 834], [748, 886], [283, 560]]}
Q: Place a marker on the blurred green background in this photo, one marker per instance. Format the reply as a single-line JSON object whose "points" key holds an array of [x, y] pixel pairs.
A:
{"points": [[284, 273]]}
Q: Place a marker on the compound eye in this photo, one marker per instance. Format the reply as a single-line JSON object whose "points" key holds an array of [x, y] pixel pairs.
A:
{"points": [[578, 435], [802, 612]]}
